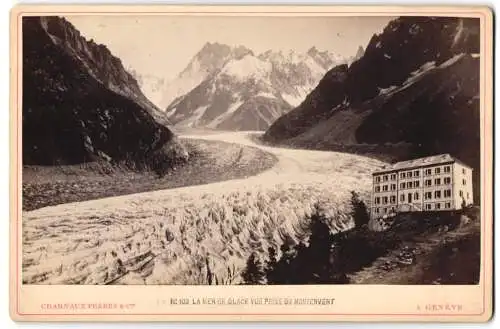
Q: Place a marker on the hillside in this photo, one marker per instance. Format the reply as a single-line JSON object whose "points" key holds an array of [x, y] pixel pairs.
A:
{"points": [[80, 105], [414, 92], [410, 248], [250, 92], [444, 248]]}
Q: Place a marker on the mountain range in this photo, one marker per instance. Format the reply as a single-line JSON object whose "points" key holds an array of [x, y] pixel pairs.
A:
{"points": [[235, 89], [80, 104]]}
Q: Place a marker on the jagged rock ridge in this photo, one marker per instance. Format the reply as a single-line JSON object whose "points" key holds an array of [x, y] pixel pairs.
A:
{"points": [[250, 92]]}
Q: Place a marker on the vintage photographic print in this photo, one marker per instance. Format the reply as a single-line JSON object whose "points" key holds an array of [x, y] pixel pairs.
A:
{"points": [[226, 149]]}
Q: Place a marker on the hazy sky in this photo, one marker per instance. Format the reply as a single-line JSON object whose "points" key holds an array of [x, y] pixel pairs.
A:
{"points": [[163, 45]]}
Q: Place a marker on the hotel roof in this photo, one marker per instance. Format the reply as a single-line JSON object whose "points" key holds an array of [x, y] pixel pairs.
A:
{"points": [[420, 162]]}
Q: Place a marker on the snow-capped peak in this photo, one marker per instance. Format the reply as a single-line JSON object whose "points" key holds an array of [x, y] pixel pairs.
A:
{"points": [[251, 91]]}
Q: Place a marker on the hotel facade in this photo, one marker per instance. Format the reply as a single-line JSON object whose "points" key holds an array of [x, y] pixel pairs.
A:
{"points": [[434, 183]]}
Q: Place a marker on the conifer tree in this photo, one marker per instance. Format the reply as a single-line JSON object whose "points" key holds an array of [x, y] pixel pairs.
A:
{"points": [[253, 273]]}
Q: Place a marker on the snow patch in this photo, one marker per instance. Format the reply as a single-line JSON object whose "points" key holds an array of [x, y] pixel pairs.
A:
{"points": [[247, 67], [294, 100], [221, 118], [171, 112], [265, 94], [179, 87], [451, 61], [195, 118], [415, 75], [385, 91]]}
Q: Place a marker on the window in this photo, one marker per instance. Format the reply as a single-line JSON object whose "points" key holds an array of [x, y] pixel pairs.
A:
{"points": [[393, 187], [386, 178], [393, 199], [409, 174], [377, 200], [384, 200], [377, 188], [377, 179], [410, 184], [385, 188], [385, 210], [437, 181], [403, 175], [393, 176], [428, 195], [447, 180], [437, 171], [377, 210], [428, 206], [447, 169], [403, 185], [417, 183], [461, 193], [437, 194], [402, 198], [428, 171], [416, 173], [447, 205], [416, 196], [463, 171], [447, 193], [438, 206], [463, 181], [467, 195], [428, 182]]}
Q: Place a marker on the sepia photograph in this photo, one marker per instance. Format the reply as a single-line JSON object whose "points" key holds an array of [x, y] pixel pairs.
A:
{"points": [[249, 150], [214, 157]]}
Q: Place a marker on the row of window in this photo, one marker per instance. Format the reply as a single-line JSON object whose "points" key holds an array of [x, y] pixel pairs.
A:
{"points": [[416, 184], [437, 181], [437, 170], [428, 206], [410, 197], [385, 200], [385, 188], [437, 206], [385, 178], [437, 194], [414, 173]]}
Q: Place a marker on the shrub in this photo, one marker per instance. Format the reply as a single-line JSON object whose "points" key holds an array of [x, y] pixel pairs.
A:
{"points": [[359, 210], [253, 273]]}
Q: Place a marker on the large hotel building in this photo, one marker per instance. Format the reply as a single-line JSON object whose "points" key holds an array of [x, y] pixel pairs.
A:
{"points": [[433, 183]]}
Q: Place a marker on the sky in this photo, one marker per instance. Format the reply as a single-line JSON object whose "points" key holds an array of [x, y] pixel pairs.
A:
{"points": [[163, 45]]}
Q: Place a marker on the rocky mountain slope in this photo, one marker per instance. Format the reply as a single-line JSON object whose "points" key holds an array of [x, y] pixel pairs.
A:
{"points": [[250, 92], [79, 104], [414, 92]]}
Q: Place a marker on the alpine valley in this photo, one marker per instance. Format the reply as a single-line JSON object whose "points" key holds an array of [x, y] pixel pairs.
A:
{"points": [[232, 88]]}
